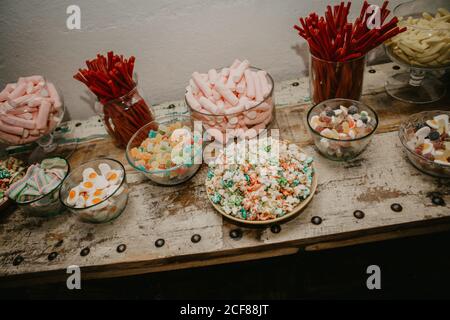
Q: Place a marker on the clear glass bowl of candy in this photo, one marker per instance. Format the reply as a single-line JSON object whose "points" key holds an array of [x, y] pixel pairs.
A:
{"points": [[168, 150], [30, 111], [341, 129], [424, 49], [236, 101], [96, 191], [425, 137], [37, 193]]}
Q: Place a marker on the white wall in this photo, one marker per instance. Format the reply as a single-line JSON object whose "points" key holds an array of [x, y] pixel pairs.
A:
{"points": [[170, 40]]}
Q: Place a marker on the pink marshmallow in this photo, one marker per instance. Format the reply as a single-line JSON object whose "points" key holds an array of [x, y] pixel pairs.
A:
{"points": [[42, 118], [212, 76], [34, 132], [54, 95], [192, 101], [18, 131], [35, 79], [20, 90], [9, 138], [4, 95], [241, 86], [239, 72], [26, 116], [230, 83], [258, 88], [251, 115], [234, 110], [225, 72], [261, 117], [195, 89], [18, 122], [216, 95], [236, 63], [208, 105], [227, 94], [21, 100], [201, 84]]}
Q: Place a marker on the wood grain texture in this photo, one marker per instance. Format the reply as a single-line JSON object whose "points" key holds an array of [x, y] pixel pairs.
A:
{"points": [[380, 177]]}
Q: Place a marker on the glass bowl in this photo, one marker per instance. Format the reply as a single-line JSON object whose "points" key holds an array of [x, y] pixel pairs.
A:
{"points": [[106, 210], [423, 48], [174, 175], [224, 122], [336, 149], [47, 205], [407, 131]]}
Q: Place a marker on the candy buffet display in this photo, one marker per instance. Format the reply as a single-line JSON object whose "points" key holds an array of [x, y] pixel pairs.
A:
{"points": [[122, 107], [96, 191], [280, 183], [11, 170], [341, 129], [426, 139], [426, 42], [338, 48], [37, 192], [237, 99], [29, 109], [168, 151]]}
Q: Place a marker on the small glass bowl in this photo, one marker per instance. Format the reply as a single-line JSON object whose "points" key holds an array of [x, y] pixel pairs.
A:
{"points": [[174, 175], [336, 149], [107, 210], [405, 133], [222, 121], [47, 205]]}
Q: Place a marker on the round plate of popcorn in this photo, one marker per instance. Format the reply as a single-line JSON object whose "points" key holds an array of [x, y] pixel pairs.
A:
{"points": [[261, 184], [11, 170]]}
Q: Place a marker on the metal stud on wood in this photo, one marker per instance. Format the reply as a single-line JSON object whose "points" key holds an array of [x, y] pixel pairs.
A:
{"points": [[359, 214], [121, 248], [52, 256], [17, 260], [159, 243], [276, 228], [196, 238], [236, 234], [396, 207], [316, 220]]}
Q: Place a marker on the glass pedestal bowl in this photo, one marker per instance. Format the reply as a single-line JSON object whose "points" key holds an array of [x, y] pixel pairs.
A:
{"points": [[49, 146], [422, 49]]}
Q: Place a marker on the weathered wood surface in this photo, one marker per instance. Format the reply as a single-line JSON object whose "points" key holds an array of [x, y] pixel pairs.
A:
{"points": [[371, 183]]}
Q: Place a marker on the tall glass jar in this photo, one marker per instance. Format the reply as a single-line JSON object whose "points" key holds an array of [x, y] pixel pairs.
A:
{"points": [[330, 79], [124, 116]]}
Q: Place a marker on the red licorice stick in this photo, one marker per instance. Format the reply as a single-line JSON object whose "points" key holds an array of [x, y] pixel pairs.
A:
{"points": [[332, 37], [352, 56], [390, 25], [391, 33], [363, 11]]}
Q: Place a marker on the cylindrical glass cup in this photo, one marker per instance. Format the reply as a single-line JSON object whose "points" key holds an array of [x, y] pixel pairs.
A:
{"points": [[246, 124], [124, 116], [330, 79]]}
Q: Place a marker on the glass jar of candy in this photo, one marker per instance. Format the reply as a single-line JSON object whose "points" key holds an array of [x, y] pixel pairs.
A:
{"points": [[331, 79], [124, 116]]}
